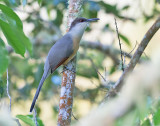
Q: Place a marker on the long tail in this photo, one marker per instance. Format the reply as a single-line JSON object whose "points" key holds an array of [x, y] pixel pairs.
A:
{"points": [[38, 90]]}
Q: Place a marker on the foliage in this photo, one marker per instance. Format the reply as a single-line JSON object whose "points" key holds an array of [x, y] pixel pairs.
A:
{"points": [[29, 119], [25, 73], [150, 115], [4, 57], [125, 39], [156, 119], [12, 26]]}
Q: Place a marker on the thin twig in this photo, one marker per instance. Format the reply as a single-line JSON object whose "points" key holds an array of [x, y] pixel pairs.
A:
{"points": [[135, 58], [100, 87], [107, 114], [97, 69], [74, 116], [105, 71], [143, 52], [17, 121], [145, 55], [119, 44], [124, 60], [35, 116], [10, 99], [133, 48]]}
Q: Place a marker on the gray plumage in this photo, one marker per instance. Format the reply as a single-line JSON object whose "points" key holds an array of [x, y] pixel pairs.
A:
{"points": [[63, 50], [59, 52]]}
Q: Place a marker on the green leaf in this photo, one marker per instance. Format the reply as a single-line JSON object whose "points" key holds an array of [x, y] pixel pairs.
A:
{"points": [[12, 28], [3, 57], [126, 7], [146, 123], [2, 43], [125, 39], [156, 118], [39, 2], [59, 19], [2, 88], [112, 69], [109, 8], [158, 1], [11, 15], [114, 10], [22, 38], [12, 38], [20, 42], [28, 119]]}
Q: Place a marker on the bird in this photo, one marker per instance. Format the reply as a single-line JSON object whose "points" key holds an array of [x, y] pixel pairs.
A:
{"points": [[63, 50]]}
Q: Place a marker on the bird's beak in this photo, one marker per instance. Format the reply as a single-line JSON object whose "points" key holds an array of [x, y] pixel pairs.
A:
{"points": [[92, 19]]}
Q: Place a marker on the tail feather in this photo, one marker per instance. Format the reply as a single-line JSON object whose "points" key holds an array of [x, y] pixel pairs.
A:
{"points": [[38, 90]]}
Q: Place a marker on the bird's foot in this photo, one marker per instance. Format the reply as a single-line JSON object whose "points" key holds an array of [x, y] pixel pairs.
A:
{"points": [[70, 68]]}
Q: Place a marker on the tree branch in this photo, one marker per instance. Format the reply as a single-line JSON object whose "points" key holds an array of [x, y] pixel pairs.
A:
{"points": [[108, 113], [135, 58], [68, 78], [107, 49], [120, 46]]}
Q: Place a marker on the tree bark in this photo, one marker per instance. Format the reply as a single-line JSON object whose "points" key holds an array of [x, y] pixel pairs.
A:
{"points": [[68, 78]]}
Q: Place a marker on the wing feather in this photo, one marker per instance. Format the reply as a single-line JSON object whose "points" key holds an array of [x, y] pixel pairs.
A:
{"points": [[59, 52]]}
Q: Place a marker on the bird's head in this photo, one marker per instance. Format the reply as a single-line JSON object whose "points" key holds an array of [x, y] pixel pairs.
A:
{"points": [[81, 23]]}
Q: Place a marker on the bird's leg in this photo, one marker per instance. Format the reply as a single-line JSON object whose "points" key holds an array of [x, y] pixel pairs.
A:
{"points": [[67, 67], [70, 66]]}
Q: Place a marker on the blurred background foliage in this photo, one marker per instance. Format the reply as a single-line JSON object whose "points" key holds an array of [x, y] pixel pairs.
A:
{"points": [[44, 23]]}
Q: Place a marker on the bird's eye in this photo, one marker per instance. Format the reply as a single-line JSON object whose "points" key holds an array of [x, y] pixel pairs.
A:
{"points": [[81, 20]]}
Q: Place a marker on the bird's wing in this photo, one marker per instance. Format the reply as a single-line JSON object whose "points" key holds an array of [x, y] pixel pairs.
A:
{"points": [[57, 55], [59, 52]]}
